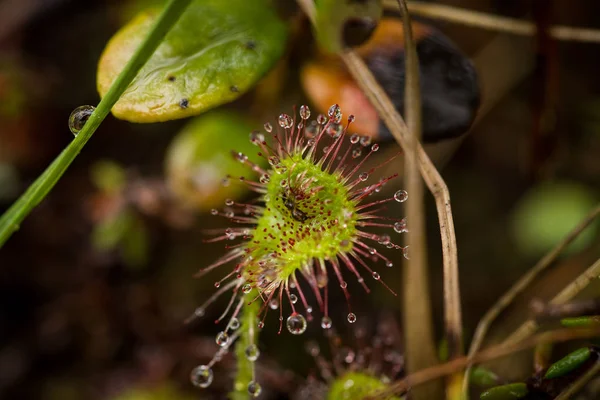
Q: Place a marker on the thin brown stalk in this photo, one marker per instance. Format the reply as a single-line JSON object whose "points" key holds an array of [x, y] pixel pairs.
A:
{"points": [[386, 110], [485, 323], [417, 316], [433, 180], [496, 23], [489, 354], [572, 290], [569, 392]]}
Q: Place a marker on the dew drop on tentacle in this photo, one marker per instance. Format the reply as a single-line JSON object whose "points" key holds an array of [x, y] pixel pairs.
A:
{"points": [[326, 323], [335, 113], [365, 141], [296, 324], [274, 304], [252, 352], [222, 339], [293, 298], [400, 226], [234, 323], [285, 121], [201, 376], [401, 196], [79, 117], [246, 288], [356, 153], [268, 127], [254, 389], [304, 112], [351, 318], [256, 137], [321, 119]]}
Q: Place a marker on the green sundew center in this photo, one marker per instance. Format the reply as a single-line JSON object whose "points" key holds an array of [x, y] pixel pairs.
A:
{"points": [[355, 386], [308, 215]]}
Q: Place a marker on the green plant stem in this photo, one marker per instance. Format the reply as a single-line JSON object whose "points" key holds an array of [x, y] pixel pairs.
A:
{"points": [[248, 335], [11, 220]]}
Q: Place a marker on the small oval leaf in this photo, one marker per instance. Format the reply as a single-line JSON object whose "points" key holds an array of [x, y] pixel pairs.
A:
{"points": [[511, 391], [576, 322], [217, 51], [568, 363], [483, 377], [199, 159]]}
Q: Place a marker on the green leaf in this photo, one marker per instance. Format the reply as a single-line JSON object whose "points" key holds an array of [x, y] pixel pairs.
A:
{"points": [[109, 233], [483, 377], [356, 386], [568, 363], [217, 51], [199, 158], [39, 189], [511, 391], [576, 322], [341, 23], [162, 392], [108, 176], [548, 212], [134, 244]]}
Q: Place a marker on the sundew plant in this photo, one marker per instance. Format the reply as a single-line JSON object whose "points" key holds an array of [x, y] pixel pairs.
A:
{"points": [[367, 105], [312, 221]]}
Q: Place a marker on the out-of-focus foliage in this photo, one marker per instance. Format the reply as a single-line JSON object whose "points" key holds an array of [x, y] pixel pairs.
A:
{"points": [[215, 53], [512, 391], [568, 363], [355, 386], [164, 392], [200, 157], [548, 212]]}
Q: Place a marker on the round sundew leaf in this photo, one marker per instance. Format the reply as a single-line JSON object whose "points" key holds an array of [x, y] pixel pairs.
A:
{"points": [[217, 51], [199, 159], [548, 212], [511, 391], [568, 363], [356, 386], [483, 377]]}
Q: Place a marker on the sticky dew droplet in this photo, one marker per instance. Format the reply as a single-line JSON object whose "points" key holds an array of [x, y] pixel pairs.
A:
{"points": [[79, 117], [326, 322], [201, 376], [234, 324], [351, 318], [222, 339], [335, 113], [401, 196], [296, 324], [285, 121], [256, 137], [304, 112], [400, 226]]}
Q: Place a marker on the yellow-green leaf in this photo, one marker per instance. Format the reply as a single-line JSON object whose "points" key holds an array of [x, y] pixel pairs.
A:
{"points": [[511, 391], [199, 158], [568, 363], [217, 51]]}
